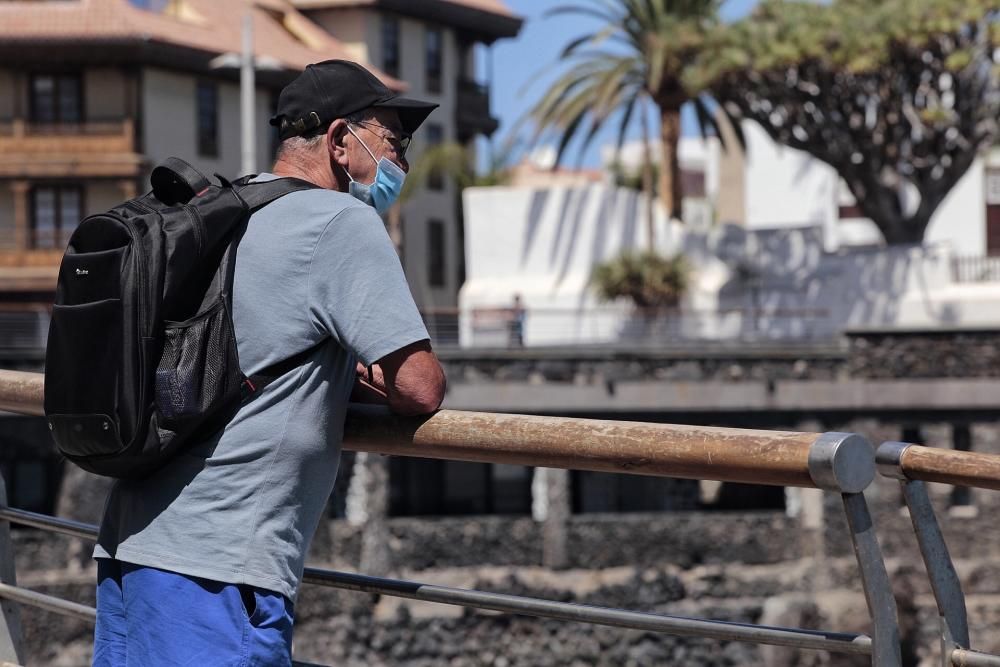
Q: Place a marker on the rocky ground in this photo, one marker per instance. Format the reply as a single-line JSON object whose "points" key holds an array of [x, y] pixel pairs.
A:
{"points": [[751, 567], [353, 630]]}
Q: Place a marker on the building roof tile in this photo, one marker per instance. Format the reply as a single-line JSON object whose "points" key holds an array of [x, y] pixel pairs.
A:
{"points": [[490, 6], [281, 32], [489, 19]]}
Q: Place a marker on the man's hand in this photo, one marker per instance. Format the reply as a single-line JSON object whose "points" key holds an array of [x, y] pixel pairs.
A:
{"points": [[369, 385], [411, 379]]}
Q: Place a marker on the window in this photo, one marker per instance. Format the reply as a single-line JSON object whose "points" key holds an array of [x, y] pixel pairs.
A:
{"points": [[56, 210], [993, 212], [434, 45], [849, 211], [208, 119], [150, 5], [435, 253], [435, 135], [390, 45], [56, 98]]}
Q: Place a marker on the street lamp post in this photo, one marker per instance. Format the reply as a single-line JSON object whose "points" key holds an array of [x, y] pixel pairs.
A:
{"points": [[248, 64], [248, 87]]}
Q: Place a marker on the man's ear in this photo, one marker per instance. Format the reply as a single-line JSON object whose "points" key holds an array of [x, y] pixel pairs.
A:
{"points": [[335, 136]]}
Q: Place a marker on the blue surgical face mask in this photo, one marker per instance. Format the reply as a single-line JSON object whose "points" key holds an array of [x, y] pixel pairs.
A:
{"points": [[383, 192]]}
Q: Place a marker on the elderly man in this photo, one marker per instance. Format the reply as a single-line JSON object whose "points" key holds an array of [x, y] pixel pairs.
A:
{"points": [[200, 563]]}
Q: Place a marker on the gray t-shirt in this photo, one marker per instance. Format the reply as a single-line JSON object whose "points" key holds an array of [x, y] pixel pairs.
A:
{"points": [[243, 507]]}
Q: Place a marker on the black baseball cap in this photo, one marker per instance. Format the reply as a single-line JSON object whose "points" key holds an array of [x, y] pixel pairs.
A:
{"points": [[337, 88]]}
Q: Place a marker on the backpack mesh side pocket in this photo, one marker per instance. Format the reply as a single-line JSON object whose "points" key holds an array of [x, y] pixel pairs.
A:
{"points": [[199, 373]]}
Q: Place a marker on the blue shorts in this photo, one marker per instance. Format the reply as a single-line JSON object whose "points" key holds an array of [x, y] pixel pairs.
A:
{"points": [[154, 618]]}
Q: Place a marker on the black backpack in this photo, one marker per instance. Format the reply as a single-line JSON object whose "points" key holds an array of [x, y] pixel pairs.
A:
{"points": [[141, 358]]}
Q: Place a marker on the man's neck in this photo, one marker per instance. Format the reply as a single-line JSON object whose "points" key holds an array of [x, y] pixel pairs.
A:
{"points": [[321, 177]]}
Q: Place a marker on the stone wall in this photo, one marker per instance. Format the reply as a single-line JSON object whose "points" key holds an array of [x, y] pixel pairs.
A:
{"points": [[701, 363], [952, 354], [864, 354]]}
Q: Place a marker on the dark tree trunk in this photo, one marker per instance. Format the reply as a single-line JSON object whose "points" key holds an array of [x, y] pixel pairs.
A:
{"points": [[671, 193]]}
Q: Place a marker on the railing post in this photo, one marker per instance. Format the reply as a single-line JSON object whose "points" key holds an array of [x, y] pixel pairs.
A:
{"points": [[944, 580], [551, 506], [11, 642], [845, 463]]}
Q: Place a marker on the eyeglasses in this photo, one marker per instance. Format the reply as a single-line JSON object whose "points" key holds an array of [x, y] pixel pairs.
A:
{"points": [[398, 144]]}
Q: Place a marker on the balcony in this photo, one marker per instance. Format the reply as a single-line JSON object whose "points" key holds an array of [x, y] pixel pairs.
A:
{"points": [[472, 110], [28, 270], [92, 149]]}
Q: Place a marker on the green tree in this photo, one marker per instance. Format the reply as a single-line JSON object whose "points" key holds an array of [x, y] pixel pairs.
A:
{"points": [[457, 162], [649, 280], [898, 96], [639, 56]]}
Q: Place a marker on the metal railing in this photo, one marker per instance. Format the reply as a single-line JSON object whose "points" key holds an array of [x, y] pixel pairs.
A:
{"points": [[913, 466], [504, 326], [975, 269], [23, 333], [838, 462]]}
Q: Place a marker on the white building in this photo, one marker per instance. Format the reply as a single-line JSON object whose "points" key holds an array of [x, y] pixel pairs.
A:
{"points": [[785, 257], [784, 187]]}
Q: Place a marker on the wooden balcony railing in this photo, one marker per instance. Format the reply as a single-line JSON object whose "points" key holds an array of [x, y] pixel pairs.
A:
{"points": [[37, 150], [472, 110]]}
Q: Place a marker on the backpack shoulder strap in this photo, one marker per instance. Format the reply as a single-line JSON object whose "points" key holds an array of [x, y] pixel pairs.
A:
{"points": [[256, 196], [267, 375], [259, 195]]}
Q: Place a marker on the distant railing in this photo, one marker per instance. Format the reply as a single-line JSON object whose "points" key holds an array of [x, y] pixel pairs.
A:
{"points": [[984, 269], [506, 326], [23, 332], [90, 128], [839, 462], [21, 128]]}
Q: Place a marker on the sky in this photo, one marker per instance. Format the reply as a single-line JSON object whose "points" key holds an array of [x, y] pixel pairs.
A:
{"points": [[532, 57]]}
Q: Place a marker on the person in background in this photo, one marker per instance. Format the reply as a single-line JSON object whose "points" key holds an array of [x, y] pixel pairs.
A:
{"points": [[516, 323]]}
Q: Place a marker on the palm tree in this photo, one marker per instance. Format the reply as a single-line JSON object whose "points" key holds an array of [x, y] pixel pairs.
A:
{"points": [[638, 57], [456, 161]]}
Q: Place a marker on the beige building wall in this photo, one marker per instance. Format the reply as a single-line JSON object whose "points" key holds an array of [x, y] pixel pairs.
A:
{"points": [[104, 94], [428, 204], [170, 126], [102, 195], [355, 29]]}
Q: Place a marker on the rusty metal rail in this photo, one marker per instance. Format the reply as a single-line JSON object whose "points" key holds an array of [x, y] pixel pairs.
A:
{"points": [[687, 627], [913, 466], [930, 464], [780, 458], [839, 462]]}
